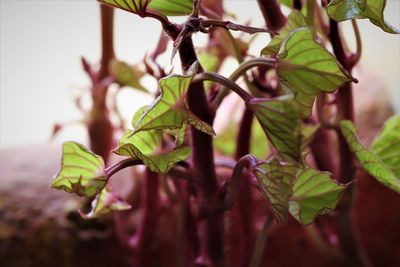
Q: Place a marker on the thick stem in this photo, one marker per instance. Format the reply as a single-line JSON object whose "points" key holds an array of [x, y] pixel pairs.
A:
{"points": [[273, 16], [107, 39], [210, 227], [260, 243], [150, 209]]}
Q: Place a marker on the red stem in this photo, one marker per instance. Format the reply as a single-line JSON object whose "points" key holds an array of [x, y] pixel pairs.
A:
{"points": [[273, 16]]}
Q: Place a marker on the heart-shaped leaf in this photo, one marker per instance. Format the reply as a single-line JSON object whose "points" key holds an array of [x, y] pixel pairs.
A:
{"points": [[308, 69], [373, 10], [387, 144], [126, 75], [172, 7], [169, 110], [369, 161], [281, 121], [145, 146], [295, 20], [314, 193], [82, 171], [276, 179], [104, 203], [133, 6]]}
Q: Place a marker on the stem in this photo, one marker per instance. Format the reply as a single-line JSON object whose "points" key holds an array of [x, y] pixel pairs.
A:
{"points": [[210, 227], [240, 71], [260, 243], [215, 77], [110, 171], [355, 58], [273, 16], [297, 4], [232, 26], [310, 12]]}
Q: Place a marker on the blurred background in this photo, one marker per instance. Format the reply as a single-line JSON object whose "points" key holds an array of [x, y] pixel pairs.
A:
{"points": [[41, 43]]}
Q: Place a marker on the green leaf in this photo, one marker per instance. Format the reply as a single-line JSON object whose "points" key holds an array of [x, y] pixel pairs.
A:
{"points": [[308, 69], [169, 110], [172, 7], [341, 10], [133, 6], [125, 75], [276, 181], [288, 3], [104, 203], [314, 193], [82, 171], [145, 146], [281, 121], [295, 20], [387, 144], [369, 161]]}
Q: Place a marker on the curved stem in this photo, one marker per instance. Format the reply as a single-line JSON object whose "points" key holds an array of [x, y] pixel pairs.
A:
{"points": [[356, 57], [248, 161], [260, 243], [310, 12], [215, 77], [240, 71], [110, 171]]}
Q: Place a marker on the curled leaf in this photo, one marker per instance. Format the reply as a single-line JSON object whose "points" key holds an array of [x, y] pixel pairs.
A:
{"points": [[133, 6], [172, 7], [82, 171]]}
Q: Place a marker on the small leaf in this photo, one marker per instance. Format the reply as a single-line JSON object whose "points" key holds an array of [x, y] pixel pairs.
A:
{"points": [[104, 203], [125, 75], [133, 6], [387, 144], [276, 181], [145, 146], [82, 171], [172, 7], [295, 20], [373, 10], [169, 110], [314, 193], [308, 69], [369, 161], [281, 121]]}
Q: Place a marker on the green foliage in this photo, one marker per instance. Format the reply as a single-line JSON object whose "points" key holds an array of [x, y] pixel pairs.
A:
{"points": [[169, 110], [308, 69], [126, 75], [172, 7], [82, 171], [146, 147], [387, 144], [104, 203], [314, 193], [295, 20], [369, 161], [281, 121], [341, 10], [133, 6]]}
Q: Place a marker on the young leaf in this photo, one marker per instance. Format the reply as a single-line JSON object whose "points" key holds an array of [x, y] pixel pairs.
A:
{"points": [[169, 110], [314, 193], [105, 202], [295, 20], [341, 10], [387, 144], [82, 171], [281, 121], [172, 7], [133, 6], [125, 75], [276, 181], [308, 69], [145, 145], [369, 161]]}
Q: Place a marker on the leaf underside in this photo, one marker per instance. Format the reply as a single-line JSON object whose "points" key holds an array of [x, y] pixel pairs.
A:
{"points": [[133, 6], [172, 7]]}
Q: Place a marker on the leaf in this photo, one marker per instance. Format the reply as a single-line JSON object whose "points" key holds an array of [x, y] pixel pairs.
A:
{"points": [[308, 69], [82, 171], [104, 203], [373, 10], [295, 20], [145, 146], [133, 6], [314, 193], [369, 161], [125, 75], [172, 7], [276, 181], [387, 144], [169, 110], [281, 121]]}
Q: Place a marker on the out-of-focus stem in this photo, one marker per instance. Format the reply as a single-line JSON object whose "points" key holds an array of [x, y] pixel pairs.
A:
{"points": [[273, 16], [260, 243]]}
